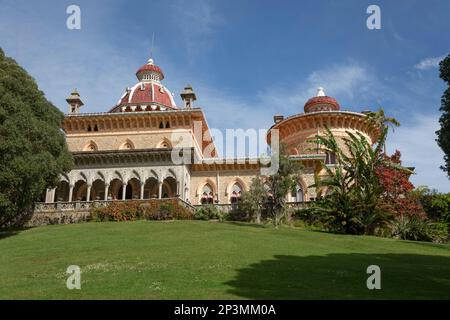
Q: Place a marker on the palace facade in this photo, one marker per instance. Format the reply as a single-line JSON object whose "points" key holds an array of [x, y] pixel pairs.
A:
{"points": [[128, 151]]}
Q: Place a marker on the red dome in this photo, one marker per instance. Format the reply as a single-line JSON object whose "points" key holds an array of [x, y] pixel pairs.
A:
{"points": [[321, 103], [150, 68], [149, 94]]}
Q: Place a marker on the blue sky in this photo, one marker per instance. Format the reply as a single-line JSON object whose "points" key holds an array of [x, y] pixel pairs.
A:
{"points": [[248, 60]]}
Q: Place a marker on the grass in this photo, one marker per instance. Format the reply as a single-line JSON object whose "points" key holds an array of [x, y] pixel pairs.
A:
{"points": [[211, 260]]}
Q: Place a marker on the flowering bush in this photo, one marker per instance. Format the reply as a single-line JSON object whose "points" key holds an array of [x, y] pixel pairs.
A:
{"points": [[118, 211], [135, 210], [397, 196]]}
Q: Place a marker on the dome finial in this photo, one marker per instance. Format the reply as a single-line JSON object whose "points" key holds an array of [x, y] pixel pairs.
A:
{"points": [[320, 92], [150, 61]]}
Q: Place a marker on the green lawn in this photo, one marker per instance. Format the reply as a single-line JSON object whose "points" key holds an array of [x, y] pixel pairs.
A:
{"points": [[211, 260]]}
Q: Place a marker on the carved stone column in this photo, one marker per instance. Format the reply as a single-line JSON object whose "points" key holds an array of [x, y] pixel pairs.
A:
{"points": [[142, 190], [106, 191], [124, 191], [160, 183], [88, 195], [71, 192]]}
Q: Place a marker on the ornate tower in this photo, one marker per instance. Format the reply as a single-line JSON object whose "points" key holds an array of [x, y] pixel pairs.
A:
{"points": [[188, 96], [74, 102]]}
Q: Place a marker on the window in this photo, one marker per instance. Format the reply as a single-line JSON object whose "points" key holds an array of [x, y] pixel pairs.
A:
{"points": [[164, 144], [330, 158], [207, 195], [297, 194], [91, 146], [127, 145], [161, 125], [236, 193]]}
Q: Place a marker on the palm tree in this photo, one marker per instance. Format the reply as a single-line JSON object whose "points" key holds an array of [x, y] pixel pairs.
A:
{"points": [[379, 120], [353, 189]]}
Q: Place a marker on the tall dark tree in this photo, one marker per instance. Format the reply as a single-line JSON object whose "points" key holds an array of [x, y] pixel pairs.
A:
{"points": [[33, 151], [443, 134]]}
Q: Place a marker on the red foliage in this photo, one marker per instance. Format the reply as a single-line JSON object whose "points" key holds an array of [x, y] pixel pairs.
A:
{"points": [[152, 209], [397, 189]]}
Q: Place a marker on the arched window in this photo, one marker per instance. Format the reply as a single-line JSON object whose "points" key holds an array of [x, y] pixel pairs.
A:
{"points": [[127, 145], [207, 195], [297, 194], [236, 193], [164, 144], [91, 146]]}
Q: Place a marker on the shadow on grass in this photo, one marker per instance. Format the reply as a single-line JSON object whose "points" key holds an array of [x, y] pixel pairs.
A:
{"points": [[8, 233], [247, 224], [343, 276]]}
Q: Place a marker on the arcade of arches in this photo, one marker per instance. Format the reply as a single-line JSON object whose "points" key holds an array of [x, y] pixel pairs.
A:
{"points": [[116, 190]]}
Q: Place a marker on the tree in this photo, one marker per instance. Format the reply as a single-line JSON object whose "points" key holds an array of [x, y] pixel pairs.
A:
{"points": [[353, 189], [435, 204], [397, 196], [281, 183], [378, 120], [254, 200], [33, 151], [443, 133]]}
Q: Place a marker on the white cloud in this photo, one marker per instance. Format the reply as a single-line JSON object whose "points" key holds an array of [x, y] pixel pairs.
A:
{"points": [[416, 142], [342, 81], [429, 63]]}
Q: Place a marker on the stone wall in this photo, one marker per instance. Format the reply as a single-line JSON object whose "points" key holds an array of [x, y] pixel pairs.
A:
{"points": [[56, 217], [138, 139]]}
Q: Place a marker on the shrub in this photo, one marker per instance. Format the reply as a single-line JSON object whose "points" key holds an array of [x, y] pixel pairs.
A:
{"points": [[160, 212], [415, 228], [307, 216], [436, 205], [208, 212], [118, 211], [156, 210], [237, 214], [135, 210]]}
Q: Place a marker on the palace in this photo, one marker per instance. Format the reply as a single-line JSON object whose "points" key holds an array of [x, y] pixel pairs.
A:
{"points": [[127, 152]]}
